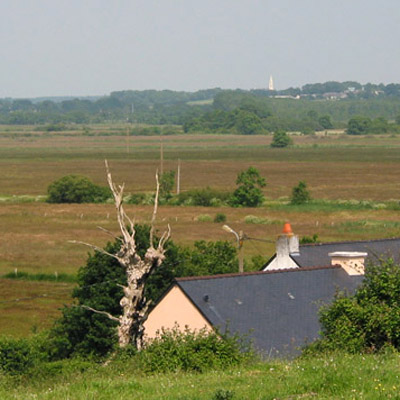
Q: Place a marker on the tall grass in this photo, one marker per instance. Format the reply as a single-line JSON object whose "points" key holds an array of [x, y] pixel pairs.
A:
{"points": [[329, 376]]}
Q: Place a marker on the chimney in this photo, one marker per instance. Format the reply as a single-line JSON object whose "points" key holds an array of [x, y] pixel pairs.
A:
{"points": [[352, 262], [286, 245]]}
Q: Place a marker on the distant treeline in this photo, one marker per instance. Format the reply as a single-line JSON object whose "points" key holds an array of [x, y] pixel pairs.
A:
{"points": [[307, 109]]}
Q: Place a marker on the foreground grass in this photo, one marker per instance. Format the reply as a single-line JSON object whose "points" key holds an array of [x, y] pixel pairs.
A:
{"points": [[337, 376]]}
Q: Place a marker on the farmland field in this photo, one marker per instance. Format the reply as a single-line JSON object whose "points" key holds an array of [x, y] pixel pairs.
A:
{"points": [[34, 235]]}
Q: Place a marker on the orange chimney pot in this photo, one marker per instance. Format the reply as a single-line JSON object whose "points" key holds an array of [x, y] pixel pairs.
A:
{"points": [[287, 229]]}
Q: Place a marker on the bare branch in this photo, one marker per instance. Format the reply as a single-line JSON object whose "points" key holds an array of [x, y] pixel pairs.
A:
{"points": [[99, 249], [101, 312], [118, 199], [165, 236], [153, 218], [109, 233]]}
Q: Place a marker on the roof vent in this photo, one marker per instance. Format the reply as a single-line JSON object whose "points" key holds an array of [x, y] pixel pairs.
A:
{"points": [[353, 262]]}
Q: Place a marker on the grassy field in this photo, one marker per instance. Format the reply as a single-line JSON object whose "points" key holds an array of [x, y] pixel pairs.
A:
{"points": [[29, 306], [339, 170], [339, 376]]}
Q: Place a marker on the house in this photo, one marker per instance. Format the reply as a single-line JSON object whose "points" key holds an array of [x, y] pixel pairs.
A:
{"points": [[277, 309], [290, 255]]}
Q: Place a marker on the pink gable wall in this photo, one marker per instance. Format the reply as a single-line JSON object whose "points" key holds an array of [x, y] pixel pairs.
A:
{"points": [[174, 309]]}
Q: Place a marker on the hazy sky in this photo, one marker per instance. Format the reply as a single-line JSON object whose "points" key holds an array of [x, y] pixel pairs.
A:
{"points": [[93, 47]]}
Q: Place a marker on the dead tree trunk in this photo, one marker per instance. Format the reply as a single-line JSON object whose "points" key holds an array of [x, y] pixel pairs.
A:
{"points": [[134, 304]]}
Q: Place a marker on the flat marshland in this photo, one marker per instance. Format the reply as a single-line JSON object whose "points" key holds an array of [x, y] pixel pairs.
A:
{"points": [[355, 182]]}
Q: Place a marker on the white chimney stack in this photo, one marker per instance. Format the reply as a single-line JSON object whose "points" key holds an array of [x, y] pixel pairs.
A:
{"points": [[352, 262], [287, 244]]}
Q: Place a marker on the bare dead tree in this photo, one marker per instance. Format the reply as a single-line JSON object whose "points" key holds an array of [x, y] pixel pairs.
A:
{"points": [[134, 304]]}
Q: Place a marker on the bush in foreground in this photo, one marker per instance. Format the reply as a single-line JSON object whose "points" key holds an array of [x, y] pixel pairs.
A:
{"points": [[368, 321], [173, 350]]}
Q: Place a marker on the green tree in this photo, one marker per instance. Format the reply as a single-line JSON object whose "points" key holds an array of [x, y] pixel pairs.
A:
{"points": [[325, 122], [368, 320], [300, 194], [358, 125], [248, 123], [210, 258], [82, 332], [281, 139], [76, 189], [248, 192], [167, 182], [379, 125]]}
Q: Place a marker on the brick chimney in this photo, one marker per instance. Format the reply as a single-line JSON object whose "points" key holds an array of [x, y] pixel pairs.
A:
{"points": [[352, 262]]}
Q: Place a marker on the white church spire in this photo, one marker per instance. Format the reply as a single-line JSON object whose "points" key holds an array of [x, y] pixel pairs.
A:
{"points": [[271, 83]]}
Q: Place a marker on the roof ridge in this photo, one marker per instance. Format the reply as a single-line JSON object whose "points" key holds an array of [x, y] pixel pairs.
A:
{"points": [[349, 242], [238, 275]]}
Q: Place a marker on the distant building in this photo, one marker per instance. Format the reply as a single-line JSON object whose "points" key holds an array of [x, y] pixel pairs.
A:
{"points": [[271, 83]]}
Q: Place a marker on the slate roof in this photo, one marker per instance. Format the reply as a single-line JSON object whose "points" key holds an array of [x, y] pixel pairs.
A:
{"points": [[279, 309], [317, 253]]}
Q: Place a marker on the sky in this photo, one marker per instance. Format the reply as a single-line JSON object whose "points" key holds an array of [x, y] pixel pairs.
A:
{"points": [[94, 47]]}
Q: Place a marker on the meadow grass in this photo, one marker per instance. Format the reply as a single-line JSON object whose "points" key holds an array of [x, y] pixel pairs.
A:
{"points": [[27, 306], [330, 376], [35, 236]]}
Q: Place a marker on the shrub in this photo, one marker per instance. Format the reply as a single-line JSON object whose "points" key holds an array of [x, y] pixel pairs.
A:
{"points": [[173, 350], [202, 197], [252, 219], [300, 194], [167, 182], [204, 218], [18, 356], [219, 217], [309, 239], [369, 320], [76, 189], [140, 198], [281, 139]]}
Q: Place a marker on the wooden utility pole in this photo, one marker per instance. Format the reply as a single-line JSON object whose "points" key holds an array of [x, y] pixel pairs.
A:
{"points": [[127, 138], [178, 178], [161, 156], [240, 246]]}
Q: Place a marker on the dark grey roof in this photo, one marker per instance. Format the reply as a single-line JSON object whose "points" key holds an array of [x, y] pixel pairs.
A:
{"points": [[317, 253], [279, 308]]}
